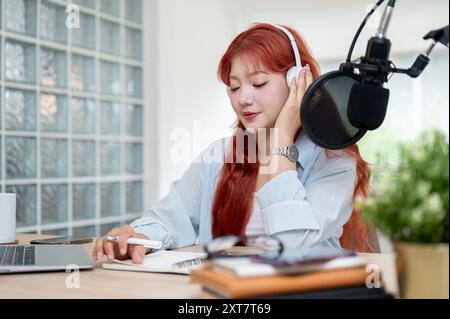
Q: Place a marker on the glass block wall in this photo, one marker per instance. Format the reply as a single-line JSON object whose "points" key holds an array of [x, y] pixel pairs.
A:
{"points": [[71, 119]]}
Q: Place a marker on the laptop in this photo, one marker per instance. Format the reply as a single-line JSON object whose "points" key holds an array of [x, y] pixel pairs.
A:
{"points": [[34, 258]]}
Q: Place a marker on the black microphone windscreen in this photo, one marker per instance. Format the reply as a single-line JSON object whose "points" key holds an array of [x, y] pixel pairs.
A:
{"points": [[367, 106]]}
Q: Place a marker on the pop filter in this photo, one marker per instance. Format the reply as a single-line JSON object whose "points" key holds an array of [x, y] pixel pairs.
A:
{"points": [[324, 111]]}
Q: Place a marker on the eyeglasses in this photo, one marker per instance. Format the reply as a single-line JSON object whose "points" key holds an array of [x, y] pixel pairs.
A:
{"points": [[243, 246], [261, 246]]}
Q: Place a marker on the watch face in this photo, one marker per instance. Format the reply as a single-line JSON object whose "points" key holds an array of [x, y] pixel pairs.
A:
{"points": [[293, 152]]}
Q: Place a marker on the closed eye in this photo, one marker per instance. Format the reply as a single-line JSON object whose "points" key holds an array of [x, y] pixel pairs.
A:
{"points": [[260, 85], [255, 85]]}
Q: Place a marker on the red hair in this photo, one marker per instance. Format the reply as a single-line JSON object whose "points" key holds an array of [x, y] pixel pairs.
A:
{"points": [[233, 201]]}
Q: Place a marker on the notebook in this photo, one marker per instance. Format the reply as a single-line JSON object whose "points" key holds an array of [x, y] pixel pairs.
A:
{"points": [[164, 261]]}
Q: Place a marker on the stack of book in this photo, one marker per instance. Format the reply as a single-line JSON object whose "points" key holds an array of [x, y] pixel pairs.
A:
{"points": [[341, 277]]}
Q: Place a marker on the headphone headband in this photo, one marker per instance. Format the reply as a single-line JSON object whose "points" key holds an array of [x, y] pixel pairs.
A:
{"points": [[298, 61]]}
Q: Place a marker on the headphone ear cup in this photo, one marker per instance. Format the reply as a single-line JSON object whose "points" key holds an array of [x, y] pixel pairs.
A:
{"points": [[291, 74]]}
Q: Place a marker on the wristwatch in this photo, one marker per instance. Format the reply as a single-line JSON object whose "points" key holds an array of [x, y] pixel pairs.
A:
{"points": [[290, 151]]}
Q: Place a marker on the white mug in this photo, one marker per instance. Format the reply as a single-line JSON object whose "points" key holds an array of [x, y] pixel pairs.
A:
{"points": [[7, 218]]}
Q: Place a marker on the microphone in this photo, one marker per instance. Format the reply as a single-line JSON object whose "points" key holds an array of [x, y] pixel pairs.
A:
{"points": [[339, 107], [367, 106], [369, 100]]}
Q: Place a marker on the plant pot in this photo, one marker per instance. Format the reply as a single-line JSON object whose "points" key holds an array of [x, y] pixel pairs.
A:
{"points": [[422, 270]]}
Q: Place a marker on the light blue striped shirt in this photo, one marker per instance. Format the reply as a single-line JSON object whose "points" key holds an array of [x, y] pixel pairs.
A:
{"points": [[306, 209]]}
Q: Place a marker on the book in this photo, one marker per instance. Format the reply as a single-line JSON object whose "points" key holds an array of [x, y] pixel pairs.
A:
{"points": [[231, 286], [164, 261], [259, 266], [354, 292]]}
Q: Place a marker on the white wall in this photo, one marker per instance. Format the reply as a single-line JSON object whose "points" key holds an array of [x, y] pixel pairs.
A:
{"points": [[329, 25], [190, 37]]}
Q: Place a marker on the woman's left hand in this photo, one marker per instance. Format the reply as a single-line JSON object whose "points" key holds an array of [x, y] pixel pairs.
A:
{"points": [[288, 121]]}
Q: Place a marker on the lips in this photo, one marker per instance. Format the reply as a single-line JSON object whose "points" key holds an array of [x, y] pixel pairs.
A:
{"points": [[250, 115]]}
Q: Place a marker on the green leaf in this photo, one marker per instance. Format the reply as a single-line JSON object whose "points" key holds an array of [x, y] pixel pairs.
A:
{"points": [[409, 202]]}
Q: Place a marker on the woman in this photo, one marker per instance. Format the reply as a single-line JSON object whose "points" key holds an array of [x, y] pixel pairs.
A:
{"points": [[305, 201]]}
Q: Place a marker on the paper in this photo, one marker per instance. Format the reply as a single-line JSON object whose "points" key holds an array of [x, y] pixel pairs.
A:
{"points": [[243, 267], [163, 261]]}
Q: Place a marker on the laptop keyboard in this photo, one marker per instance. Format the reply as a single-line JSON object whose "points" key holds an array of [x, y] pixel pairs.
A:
{"points": [[17, 255]]}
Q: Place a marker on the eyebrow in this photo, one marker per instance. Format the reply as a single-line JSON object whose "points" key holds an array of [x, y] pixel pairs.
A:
{"points": [[250, 75]]}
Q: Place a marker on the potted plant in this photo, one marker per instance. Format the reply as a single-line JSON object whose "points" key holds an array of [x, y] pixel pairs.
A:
{"points": [[409, 203]]}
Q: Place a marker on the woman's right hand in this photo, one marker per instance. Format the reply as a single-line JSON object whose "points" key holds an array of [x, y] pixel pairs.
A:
{"points": [[289, 121], [120, 250]]}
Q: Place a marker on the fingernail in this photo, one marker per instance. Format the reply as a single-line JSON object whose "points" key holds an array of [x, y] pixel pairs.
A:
{"points": [[307, 67], [110, 256], [99, 255], [122, 251]]}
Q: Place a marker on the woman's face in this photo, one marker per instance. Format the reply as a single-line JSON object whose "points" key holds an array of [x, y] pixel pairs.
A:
{"points": [[256, 95]]}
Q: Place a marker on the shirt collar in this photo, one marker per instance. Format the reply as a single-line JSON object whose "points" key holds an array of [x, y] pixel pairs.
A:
{"points": [[306, 148]]}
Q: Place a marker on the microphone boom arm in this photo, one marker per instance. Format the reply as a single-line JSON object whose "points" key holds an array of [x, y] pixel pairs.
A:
{"points": [[439, 35]]}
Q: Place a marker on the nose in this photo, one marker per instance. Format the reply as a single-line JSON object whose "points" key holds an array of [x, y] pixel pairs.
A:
{"points": [[246, 97]]}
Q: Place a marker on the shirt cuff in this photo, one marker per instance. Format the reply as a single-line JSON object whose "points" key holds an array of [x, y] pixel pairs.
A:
{"points": [[153, 230], [284, 187], [289, 215]]}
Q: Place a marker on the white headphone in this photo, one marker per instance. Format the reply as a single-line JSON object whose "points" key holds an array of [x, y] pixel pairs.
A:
{"points": [[295, 70]]}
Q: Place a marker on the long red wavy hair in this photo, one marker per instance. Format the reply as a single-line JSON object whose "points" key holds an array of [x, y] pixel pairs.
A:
{"points": [[233, 201]]}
